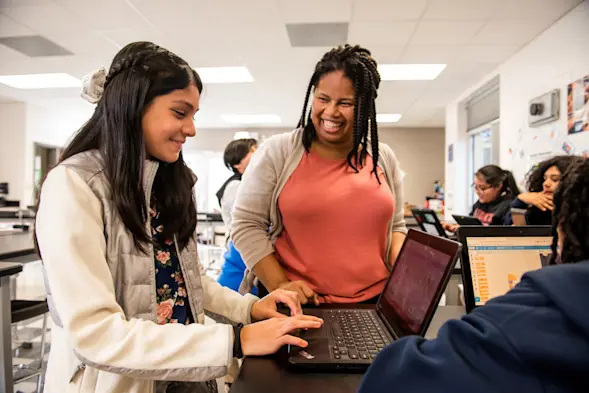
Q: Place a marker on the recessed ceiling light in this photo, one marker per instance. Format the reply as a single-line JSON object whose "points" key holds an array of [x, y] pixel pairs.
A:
{"points": [[224, 74], [252, 119], [410, 72], [388, 117], [40, 81]]}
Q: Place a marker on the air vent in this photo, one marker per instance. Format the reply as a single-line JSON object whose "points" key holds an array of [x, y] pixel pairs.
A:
{"points": [[317, 34], [34, 46]]}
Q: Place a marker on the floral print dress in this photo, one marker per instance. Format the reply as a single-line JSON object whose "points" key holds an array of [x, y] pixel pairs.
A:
{"points": [[171, 293]]}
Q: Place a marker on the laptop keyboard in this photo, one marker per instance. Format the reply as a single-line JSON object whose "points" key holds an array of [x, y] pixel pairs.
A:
{"points": [[356, 334]]}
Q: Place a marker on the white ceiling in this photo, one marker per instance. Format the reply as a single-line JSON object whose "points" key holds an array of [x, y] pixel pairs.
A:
{"points": [[472, 36]]}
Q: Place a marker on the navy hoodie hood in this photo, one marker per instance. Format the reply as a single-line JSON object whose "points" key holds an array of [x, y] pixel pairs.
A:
{"points": [[533, 339]]}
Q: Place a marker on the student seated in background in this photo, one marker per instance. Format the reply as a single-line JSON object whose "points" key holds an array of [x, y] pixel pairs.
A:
{"points": [[320, 210], [543, 181], [237, 156], [495, 188], [533, 339], [116, 232]]}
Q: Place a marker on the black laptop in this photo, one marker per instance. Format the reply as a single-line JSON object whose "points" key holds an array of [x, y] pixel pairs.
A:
{"points": [[495, 257], [350, 338], [428, 221], [467, 220]]}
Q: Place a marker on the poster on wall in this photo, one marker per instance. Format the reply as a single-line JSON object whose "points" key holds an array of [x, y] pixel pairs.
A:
{"points": [[578, 106]]}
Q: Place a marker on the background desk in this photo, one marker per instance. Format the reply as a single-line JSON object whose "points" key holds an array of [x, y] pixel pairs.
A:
{"points": [[16, 244], [269, 374]]}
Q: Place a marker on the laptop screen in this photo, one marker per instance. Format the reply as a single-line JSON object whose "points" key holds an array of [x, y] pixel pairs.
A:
{"points": [[414, 285], [498, 263]]}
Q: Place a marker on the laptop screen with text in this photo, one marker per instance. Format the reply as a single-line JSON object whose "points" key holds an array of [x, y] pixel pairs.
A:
{"points": [[498, 263]]}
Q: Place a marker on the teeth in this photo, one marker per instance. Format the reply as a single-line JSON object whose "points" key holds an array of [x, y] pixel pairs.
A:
{"points": [[330, 124]]}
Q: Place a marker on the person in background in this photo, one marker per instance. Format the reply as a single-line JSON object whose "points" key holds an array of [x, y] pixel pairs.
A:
{"points": [[115, 229], [237, 156], [495, 188], [542, 182], [320, 210], [533, 339]]}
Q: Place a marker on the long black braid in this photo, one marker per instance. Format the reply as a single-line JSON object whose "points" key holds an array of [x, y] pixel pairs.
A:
{"points": [[358, 66], [571, 214]]}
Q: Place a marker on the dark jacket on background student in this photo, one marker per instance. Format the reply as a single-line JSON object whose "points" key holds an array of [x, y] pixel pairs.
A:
{"points": [[534, 216], [534, 339], [492, 213]]}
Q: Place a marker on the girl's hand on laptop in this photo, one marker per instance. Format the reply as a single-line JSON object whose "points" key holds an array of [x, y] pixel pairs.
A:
{"points": [[266, 337], [450, 227], [266, 308], [305, 293]]}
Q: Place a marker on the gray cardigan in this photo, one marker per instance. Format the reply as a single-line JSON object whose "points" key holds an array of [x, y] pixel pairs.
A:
{"points": [[257, 222]]}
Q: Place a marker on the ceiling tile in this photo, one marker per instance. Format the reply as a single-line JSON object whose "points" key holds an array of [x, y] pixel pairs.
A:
{"points": [[445, 33], [10, 28], [84, 42], [398, 96], [106, 14], [380, 33], [438, 119], [486, 53], [312, 11], [22, 3], [462, 9], [9, 55], [387, 10], [509, 32], [46, 18], [524, 9], [317, 34], [387, 54], [430, 54]]}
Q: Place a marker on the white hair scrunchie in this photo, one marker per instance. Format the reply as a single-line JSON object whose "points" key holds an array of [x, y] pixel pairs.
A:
{"points": [[93, 85]]}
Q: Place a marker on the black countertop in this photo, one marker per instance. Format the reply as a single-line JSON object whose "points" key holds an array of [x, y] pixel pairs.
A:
{"points": [[9, 268]]}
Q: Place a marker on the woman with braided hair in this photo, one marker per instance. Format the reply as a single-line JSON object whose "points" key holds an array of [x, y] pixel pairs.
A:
{"points": [[320, 209], [533, 339], [116, 232]]}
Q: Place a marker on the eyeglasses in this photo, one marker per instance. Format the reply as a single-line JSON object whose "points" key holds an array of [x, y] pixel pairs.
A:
{"points": [[479, 188]]}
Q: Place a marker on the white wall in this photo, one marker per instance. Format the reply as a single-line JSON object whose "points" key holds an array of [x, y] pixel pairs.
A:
{"points": [[12, 148], [557, 57]]}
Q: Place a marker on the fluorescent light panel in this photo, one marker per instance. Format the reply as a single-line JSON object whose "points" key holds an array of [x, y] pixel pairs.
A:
{"points": [[387, 117], [252, 119], [410, 72], [224, 74], [40, 81]]}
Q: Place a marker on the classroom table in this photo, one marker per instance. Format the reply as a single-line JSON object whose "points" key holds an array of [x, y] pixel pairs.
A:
{"points": [[16, 244], [270, 374], [7, 269]]}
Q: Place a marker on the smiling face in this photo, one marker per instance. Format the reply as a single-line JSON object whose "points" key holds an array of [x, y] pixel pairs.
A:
{"points": [[168, 122], [332, 111]]}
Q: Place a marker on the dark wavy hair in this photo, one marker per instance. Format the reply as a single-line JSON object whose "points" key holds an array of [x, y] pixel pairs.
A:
{"points": [[358, 66], [236, 151], [535, 177], [497, 176], [139, 73], [571, 214]]}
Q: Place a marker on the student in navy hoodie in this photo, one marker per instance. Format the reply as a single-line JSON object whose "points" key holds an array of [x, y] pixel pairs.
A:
{"points": [[533, 339]]}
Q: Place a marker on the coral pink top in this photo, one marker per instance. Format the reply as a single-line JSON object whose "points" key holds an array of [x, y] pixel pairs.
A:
{"points": [[335, 228]]}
